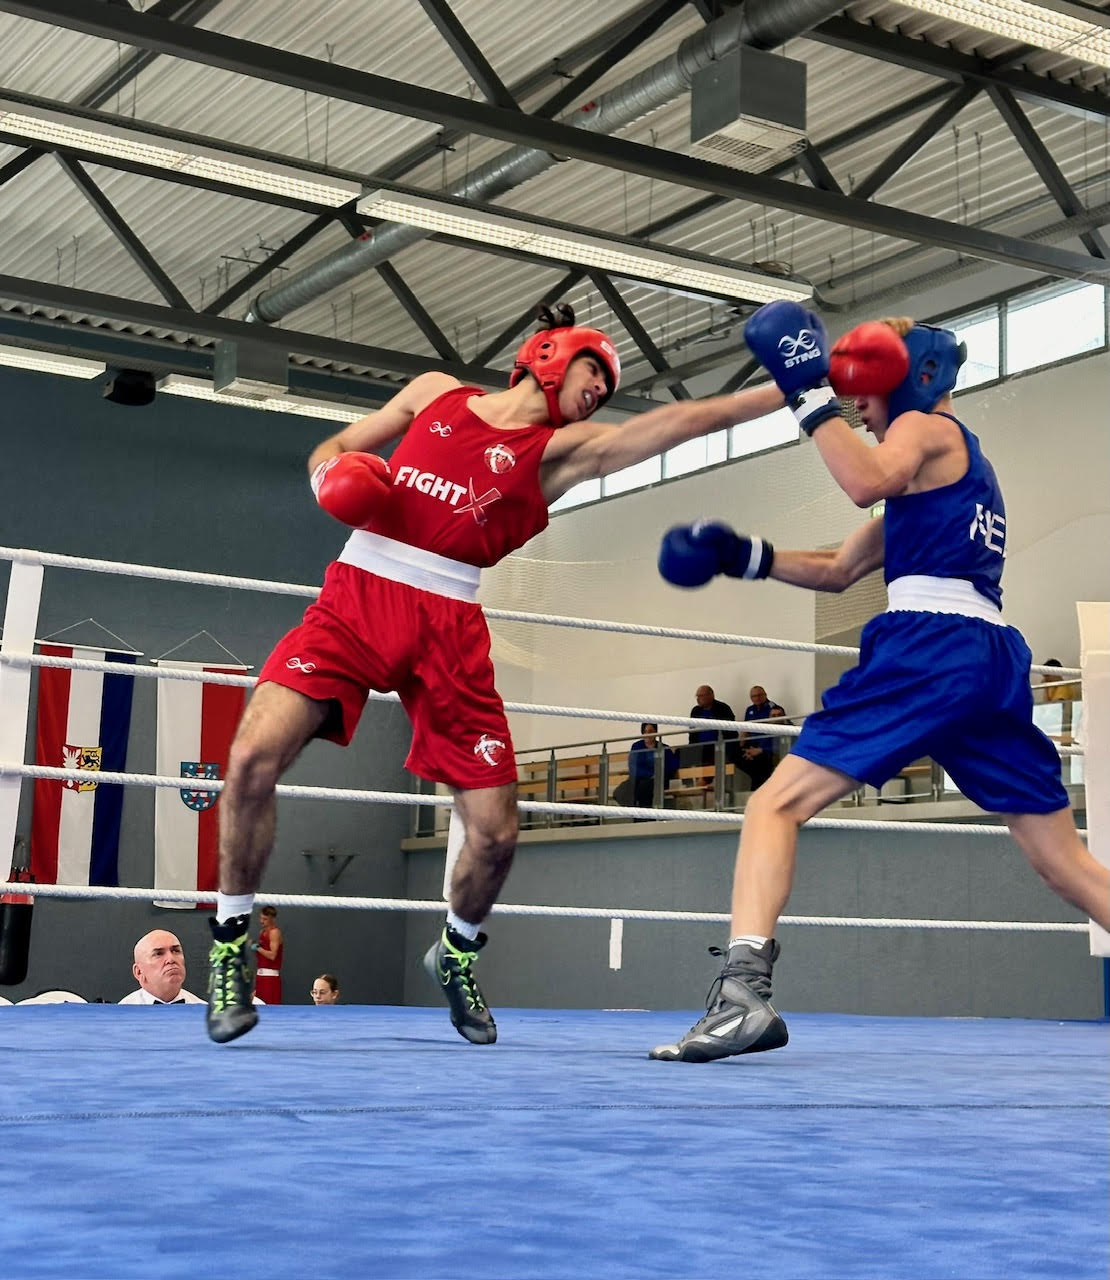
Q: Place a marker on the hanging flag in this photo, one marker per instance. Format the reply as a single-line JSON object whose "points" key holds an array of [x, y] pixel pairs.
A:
{"points": [[84, 718], [196, 723]]}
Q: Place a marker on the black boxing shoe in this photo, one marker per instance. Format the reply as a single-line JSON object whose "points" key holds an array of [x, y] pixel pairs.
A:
{"points": [[739, 1017], [449, 964], [231, 1011]]}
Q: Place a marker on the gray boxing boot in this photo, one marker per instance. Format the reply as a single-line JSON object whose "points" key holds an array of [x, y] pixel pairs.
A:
{"points": [[739, 1016]]}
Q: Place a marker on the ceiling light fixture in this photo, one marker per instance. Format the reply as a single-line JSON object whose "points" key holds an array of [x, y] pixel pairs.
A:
{"points": [[546, 239], [1058, 28], [59, 129], [49, 362], [197, 389]]}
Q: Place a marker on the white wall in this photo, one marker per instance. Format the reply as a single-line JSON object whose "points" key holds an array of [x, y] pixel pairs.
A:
{"points": [[1046, 434]]}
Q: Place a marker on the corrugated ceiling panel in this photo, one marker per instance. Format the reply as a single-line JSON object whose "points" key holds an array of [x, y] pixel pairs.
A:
{"points": [[197, 236]]}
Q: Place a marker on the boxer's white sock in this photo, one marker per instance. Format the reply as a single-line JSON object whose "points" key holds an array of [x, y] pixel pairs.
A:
{"points": [[746, 940], [230, 905], [468, 930]]}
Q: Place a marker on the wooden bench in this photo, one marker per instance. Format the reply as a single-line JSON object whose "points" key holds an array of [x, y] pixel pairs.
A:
{"points": [[698, 782], [575, 780], [905, 777]]}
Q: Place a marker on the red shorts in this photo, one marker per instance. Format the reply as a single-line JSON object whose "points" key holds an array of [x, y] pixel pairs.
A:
{"points": [[267, 987], [365, 632]]}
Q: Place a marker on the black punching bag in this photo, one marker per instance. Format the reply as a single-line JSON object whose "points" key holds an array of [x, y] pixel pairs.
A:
{"points": [[15, 932]]}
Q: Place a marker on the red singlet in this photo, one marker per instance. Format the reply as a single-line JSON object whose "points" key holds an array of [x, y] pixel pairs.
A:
{"points": [[398, 611]]}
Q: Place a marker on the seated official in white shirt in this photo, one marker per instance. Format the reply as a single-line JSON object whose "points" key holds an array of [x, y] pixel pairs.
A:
{"points": [[159, 970]]}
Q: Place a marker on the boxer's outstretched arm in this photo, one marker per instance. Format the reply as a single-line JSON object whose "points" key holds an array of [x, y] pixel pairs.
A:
{"points": [[388, 423], [859, 554], [692, 555], [589, 450]]}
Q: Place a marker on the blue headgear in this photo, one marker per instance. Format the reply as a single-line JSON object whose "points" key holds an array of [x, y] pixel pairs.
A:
{"points": [[935, 359]]}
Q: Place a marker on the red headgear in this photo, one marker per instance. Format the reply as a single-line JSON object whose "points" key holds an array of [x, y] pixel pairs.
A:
{"points": [[547, 355]]}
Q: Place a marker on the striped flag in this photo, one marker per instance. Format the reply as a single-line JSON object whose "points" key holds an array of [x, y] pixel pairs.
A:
{"points": [[196, 723], [84, 718]]}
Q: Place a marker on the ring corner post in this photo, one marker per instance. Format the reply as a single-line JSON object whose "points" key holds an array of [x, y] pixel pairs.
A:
{"points": [[21, 615]]}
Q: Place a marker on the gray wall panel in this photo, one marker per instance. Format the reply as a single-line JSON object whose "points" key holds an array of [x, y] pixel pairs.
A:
{"points": [[197, 486], [563, 963]]}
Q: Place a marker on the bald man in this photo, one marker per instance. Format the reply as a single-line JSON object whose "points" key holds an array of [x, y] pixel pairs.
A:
{"points": [[159, 970]]}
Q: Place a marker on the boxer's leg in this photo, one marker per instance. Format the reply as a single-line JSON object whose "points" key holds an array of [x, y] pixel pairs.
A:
{"points": [[1057, 854], [739, 1016], [275, 727], [490, 823]]}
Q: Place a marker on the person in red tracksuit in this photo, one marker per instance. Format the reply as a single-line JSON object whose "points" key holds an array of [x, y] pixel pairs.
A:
{"points": [[470, 479], [270, 949]]}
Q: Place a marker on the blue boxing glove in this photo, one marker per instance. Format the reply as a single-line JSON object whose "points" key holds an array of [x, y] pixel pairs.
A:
{"points": [[692, 554], [791, 344]]}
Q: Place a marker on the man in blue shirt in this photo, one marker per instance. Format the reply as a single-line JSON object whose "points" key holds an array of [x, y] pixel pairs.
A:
{"points": [[642, 760], [757, 751]]}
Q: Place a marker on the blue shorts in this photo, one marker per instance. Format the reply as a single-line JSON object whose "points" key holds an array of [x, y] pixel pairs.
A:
{"points": [[946, 686]]}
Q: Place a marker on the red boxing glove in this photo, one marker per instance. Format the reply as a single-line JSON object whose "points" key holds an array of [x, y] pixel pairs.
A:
{"points": [[869, 360], [353, 487]]}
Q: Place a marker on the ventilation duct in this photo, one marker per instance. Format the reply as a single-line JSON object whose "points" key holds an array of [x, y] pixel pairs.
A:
{"points": [[250, 370], [765, 23], [748, 110]]}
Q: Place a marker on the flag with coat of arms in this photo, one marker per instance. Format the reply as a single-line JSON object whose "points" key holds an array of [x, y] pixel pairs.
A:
{"points": [[196, 722], [84, 719]]}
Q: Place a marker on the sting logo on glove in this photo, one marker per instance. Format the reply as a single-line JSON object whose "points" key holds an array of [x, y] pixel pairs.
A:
{"points": [[799, 349]]}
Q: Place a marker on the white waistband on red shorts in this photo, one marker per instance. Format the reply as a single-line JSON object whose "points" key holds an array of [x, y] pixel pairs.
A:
{"points": [[268, 973], [920, 593], [413, 566]]}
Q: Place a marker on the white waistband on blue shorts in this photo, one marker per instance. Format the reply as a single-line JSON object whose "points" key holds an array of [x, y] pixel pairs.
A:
{"points": [[920, 593], [413, 566]]}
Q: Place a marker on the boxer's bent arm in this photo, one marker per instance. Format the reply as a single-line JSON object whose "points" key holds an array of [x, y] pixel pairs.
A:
{"points": [[858, 555], [868, 474], [388, 423], [589, 450]]}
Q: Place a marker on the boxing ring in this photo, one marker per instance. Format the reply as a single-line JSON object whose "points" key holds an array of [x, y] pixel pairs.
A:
{"points": [[371, 1140]]}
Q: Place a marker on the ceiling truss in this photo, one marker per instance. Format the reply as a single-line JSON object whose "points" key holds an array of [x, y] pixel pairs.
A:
{"points": [[167, 28]]}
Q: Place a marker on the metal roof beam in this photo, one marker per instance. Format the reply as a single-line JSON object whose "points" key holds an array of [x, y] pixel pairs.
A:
{"points": [[919, 55], [616, 53], [262, 269], [93, 156], [446, 22], [417, 313], [115, 223], [183, 11], [330, 80], [636, 331], [121, 75], [590, 48], [816, 170], [1047, 168], [163, 355], [296, 342], [740, 378], [927, 129], [511, 330]]}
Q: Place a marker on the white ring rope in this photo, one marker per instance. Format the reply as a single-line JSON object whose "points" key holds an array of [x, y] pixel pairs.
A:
{"points": [[25, 556], [526, 806], [80, 891], [766, 728]]}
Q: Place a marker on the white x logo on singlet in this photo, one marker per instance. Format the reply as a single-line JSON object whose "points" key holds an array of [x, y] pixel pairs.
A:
{"points": [[477, 505]]}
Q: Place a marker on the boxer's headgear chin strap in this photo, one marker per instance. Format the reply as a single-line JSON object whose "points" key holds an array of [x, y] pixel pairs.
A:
{"points": [[547, 356], [935, 359]]}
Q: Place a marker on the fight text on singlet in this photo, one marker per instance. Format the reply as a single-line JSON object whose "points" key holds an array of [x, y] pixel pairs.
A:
{"points": [[958, 531], [464, 489]]}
